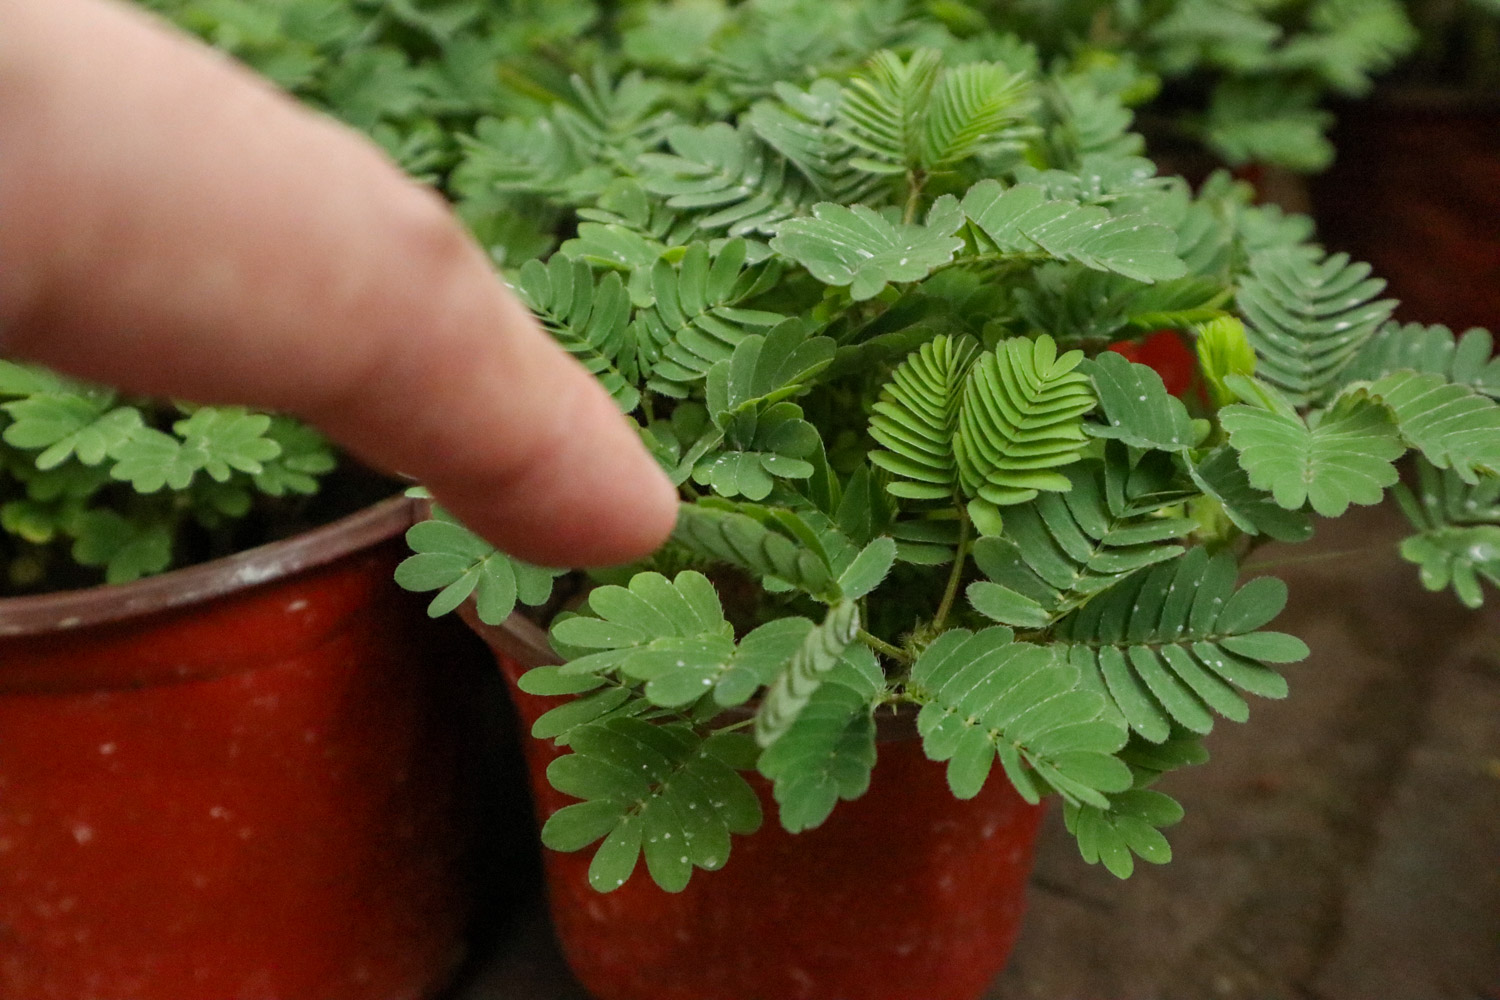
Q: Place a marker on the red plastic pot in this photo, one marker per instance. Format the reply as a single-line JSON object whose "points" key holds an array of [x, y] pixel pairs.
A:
{"points": [[903, 894], [243, 780]]}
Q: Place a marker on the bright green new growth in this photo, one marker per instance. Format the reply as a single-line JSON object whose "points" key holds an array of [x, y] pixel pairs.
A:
{"points": [[851, 270]]}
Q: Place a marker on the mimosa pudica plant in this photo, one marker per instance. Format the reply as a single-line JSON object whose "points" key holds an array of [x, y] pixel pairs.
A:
{"points": [[861, 315]]}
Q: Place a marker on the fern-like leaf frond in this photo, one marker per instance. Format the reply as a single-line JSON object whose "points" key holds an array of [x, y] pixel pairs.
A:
{"points": [[590, 320], [916, 419], [1174, 642], [985, 695], [695, 322], [1020, 419], [1458, 532], [1064, 548], [1023, 220], [1307, 316]]}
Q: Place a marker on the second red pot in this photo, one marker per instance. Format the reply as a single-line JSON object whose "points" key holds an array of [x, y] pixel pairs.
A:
{"points": [[904, 894]]}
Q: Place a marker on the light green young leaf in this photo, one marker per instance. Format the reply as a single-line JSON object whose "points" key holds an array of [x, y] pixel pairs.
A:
{"points": [[81, 425], [1021, 419], [915, 420], [228, 438]]}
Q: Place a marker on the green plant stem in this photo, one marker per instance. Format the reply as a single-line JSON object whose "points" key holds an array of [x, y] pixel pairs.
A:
{"points": [[915, 181], [955, 576], [884, 648]]}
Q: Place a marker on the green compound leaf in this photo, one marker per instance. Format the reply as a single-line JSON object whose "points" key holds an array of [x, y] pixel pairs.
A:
{"points": [[1307, 316], [1466, 360], [820, 653], [1024, 220], [916, 419], [986, 695], [1453, 426], [738, 539], [591, 321], [1173, 643], [80, 424], [452, 560], [825, 756], [1340, 456], [971, 106], [1220, 476], [1062, 549], [884, 110], [868, 569], [727, 178], [1020, 419], [1458, 532], [763, 446], [1128, 829], [1137, 407], [662, 791], [859, 248], [227, 438], [149, 460], [670, 635], [126, 549], [305, 456], [695, 321]]}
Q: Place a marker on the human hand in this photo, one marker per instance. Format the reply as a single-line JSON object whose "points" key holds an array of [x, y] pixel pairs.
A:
{"points": [[172, 225]]}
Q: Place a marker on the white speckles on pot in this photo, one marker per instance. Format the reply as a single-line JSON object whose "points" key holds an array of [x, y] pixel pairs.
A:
{"points": [[107, 749], [83, 833], [219, 812]]}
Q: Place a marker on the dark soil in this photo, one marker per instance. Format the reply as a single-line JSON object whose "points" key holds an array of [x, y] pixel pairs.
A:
{"points": [[1344, 845]]}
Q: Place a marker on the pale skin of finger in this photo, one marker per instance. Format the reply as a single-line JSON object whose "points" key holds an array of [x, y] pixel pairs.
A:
{"points": [[171, 225]]}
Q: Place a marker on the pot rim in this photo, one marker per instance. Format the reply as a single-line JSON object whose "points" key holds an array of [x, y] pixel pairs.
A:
{"points": [[72, 609]]}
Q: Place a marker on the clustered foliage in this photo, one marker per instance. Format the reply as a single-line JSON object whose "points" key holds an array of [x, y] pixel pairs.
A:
{"points": [[852, 269], [129, 487]]}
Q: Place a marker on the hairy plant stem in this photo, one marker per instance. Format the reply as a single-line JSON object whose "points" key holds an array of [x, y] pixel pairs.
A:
{"points": [[955, 576], [915, 181], [884, 648]]}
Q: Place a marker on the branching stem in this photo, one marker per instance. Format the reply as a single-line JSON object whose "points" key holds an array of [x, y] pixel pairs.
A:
{"points": [[884, 648]]}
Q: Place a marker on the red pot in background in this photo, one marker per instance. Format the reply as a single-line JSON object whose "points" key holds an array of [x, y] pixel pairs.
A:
{"points": [[1415, 191], [904, 894], [245, 780]]}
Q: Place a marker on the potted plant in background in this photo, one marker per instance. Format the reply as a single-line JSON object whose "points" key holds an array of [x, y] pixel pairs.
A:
{"points": [[854, 272]]}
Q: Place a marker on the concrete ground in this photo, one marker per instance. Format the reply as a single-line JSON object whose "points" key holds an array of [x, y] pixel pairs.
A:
{"points": [[1344, 845]]}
